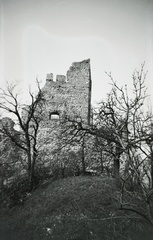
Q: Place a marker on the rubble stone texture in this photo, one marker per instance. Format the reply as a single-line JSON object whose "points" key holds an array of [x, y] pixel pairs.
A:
{"points": [[70, 94]]}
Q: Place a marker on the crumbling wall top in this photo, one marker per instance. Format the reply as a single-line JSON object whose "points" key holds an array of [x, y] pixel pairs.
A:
{"points": [[75, 67], [80, 65], [61, 78], [49, 77], [70, 93]]}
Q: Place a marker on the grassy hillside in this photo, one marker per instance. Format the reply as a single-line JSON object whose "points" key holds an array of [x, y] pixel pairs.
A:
{"points": [[78, 208]]}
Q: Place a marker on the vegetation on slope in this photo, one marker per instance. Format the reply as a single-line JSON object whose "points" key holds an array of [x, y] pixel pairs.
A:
{"points": [[77, 208]]}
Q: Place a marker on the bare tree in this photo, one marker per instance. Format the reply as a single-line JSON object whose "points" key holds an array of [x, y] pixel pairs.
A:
{"points": [[28, 118], [131, 124], [121, 121], [71, 139]]}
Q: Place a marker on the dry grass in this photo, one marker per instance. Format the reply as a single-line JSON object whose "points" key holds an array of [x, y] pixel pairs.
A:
{"points": [[78, 208]]}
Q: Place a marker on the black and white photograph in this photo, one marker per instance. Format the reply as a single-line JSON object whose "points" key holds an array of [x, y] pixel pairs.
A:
{"points": [[76, 119]]}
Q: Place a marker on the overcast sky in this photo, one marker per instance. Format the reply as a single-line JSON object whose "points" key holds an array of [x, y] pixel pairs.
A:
{"points": [[42, 36]]}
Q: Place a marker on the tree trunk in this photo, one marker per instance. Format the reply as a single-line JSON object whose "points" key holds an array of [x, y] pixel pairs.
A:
{"points": [[151, 168], [30, 172], [63, 172], [101, 162], [2, 183], [83, 159], [117, 160], [30, 180], [116, 167]]}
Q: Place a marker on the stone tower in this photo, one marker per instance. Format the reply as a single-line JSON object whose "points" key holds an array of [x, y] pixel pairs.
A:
{"points": [[70, 94]]}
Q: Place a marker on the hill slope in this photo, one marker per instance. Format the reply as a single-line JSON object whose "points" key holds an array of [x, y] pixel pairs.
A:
{"points": [[78, 208]]}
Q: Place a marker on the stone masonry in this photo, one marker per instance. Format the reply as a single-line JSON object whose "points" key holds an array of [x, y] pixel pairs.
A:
{"points": [[70, 94]]}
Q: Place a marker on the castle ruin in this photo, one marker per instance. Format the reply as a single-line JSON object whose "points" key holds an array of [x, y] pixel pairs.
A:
{"points": [[70, 94]]}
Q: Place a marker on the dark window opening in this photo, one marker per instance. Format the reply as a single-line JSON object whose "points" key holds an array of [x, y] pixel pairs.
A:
{"points": [[54, 116]]}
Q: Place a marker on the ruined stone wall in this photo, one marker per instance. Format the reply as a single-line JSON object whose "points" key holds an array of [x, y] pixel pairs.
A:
{"points": [[79, 84], [70, 94]]}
